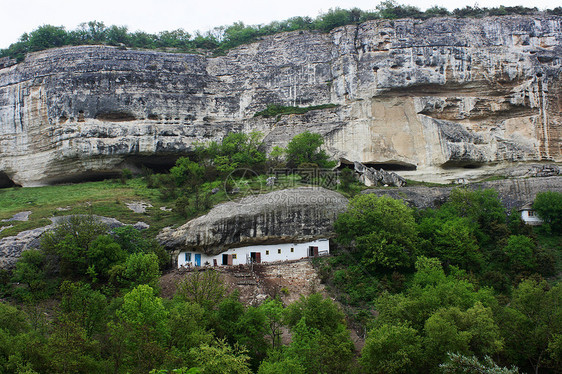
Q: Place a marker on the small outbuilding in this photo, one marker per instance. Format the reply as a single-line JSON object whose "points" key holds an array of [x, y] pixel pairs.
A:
{"points": [[529, 216]]}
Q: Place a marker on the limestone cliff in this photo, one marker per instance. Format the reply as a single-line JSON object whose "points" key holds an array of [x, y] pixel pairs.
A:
{"points": [[291, 215], [438, 99]]}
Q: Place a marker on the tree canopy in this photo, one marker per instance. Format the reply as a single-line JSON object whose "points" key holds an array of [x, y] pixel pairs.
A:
{"points": [[383, 229]]}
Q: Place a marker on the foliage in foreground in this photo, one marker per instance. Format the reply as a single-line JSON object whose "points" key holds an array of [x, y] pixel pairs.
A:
{"points": [[223, 38]]}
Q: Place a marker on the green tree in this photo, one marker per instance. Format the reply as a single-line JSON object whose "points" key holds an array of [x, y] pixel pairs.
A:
{"points": [[68, 350], [142, 327], [320, 313], [273, 311], [483, 209], [532, 322], [452, 240], [47, 36], [188, 173], [103, 253], [392, 349], [237, 151], [520, 253], [205, 288], [189, 327], [250, 333], [471, 332], [30, 270], [431, 289], [117, 35], [221, 358], [70, 242], [139, 268], [321, 341], [132, 241], [281, 366], [383, 229], [83, 306], [305, 148], [549, 207], [328, 351]]}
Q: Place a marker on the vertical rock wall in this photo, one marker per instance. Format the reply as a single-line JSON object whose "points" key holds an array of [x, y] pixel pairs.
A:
{"points": [[441, 99]]}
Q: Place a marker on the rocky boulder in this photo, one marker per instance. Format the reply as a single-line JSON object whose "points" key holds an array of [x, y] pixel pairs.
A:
{"points": [[373, 177], [291, 215]]}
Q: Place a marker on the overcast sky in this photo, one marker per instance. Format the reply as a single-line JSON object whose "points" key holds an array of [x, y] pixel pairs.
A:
{"points": [[18, 17]]}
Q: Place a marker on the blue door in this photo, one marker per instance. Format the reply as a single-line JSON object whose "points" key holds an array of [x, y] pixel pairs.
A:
{"points": [[197, 259]]}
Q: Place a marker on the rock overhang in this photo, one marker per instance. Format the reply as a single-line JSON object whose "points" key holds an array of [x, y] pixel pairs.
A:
{"points": [[438, 94]]}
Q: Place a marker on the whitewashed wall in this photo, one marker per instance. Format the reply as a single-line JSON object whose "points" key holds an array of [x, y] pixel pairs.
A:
{"points": [[269, 253], [530, 217]]}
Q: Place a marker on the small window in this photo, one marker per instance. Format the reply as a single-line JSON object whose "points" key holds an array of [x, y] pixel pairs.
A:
{"points": [[279, 251], [187, 257], [292, 250], [267, 253], [234, 256], [531, 213]]}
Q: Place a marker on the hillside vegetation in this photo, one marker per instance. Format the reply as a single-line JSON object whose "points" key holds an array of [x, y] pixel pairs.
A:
{"points": [[221, 39], [465, 287]]}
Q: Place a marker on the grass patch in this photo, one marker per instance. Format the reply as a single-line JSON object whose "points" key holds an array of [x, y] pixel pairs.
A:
{"points": [[105, 198], [108, 198], [277, 110], [494, 178]]}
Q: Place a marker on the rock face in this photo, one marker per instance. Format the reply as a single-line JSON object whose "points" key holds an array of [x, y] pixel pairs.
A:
{"points": [[514, 193], [293, 215], [437, 99]]}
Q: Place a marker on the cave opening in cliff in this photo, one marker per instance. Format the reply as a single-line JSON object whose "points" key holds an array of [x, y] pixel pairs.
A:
{"points": [[462, 164], [6, 181], [158, 164], [87, 176]]}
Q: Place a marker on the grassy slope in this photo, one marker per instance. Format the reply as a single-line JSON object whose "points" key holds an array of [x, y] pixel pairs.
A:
{"points": [[108, 198], [105, 198]]}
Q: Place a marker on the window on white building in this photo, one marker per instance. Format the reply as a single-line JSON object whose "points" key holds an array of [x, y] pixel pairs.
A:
{"points": [[187, 257], [267, 252], [279, 251]]}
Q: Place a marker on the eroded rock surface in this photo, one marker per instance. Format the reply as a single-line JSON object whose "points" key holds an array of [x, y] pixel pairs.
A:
{"points": [[442, 99], [292, 215], [513, 193], [373, 177]]}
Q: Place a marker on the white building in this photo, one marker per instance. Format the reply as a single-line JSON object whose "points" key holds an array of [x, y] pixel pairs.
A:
{"points": [[529, 216], [257, 254]]}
